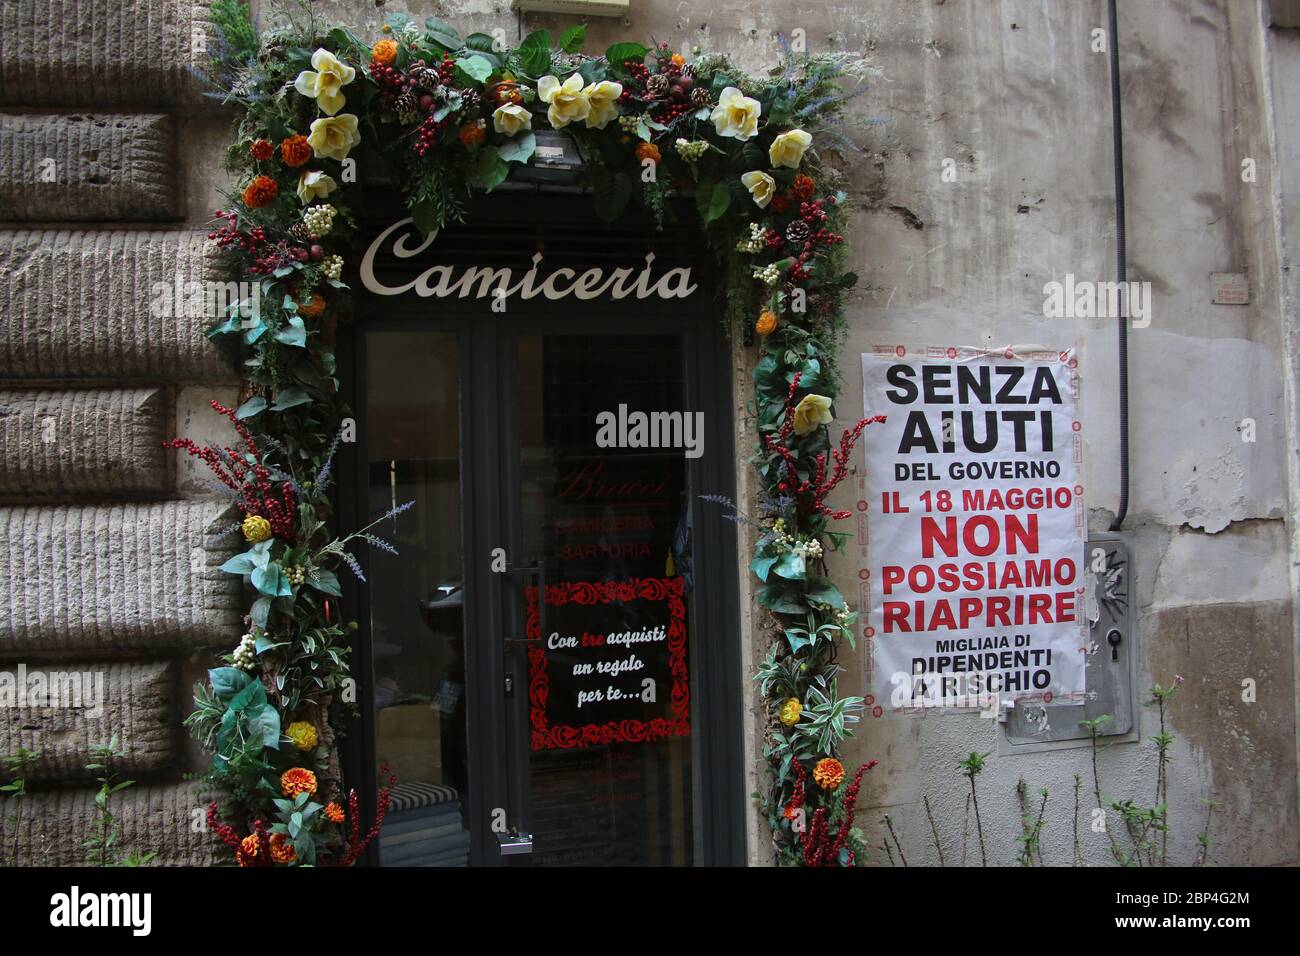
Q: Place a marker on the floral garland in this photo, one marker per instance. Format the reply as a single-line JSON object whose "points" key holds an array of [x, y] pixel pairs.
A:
{"points": [[449, 115]]}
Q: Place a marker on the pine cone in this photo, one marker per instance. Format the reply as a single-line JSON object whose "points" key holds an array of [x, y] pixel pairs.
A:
{"points": [[423, 76], [657, 85], [469, 100], [797, 231], [700, 97], [406, 104], [300, 231]]}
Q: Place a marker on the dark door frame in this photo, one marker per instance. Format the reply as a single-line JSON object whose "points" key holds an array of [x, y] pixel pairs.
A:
{"points": [[488, 515]]}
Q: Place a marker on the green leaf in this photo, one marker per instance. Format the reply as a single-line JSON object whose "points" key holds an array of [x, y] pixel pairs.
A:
{"points": [[535, 53], [791, 566], [271, 581], [823, 591], [240, 564], [425, 215], [572, 39], [326, 581], [712, 200], [762, 565], [289, 397], [621, 52], [781, 598], [227, 682], [612, 200], [519, 149], [294, 334], [261, 611], [476, 67], [443, 33], [253, 406], [488, 169]]}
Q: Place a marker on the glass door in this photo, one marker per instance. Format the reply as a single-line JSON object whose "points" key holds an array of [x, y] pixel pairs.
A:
{"points": [[603, 739], [550, 662]]}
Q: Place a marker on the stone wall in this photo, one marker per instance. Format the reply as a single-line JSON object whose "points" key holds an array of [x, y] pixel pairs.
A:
{"points": [[110, 568]]}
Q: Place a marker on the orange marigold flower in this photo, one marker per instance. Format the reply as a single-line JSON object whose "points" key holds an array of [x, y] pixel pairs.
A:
{"points": [[766, 325], [384, 52], [791, 812], [260, 192], [282, 850], [248, 850], [298, 780], [312, 308], [648, 151], [295, 150], [334, 813], [804, 187], [679, 59], [829, 773], [262, 149], [471, 134]]}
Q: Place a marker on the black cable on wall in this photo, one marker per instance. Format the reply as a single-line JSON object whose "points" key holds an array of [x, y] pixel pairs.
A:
{"points": [[1121, 263]]}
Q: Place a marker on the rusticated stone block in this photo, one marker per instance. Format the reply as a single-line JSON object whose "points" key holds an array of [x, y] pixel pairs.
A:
{"points": [[54, 825], [60, 709], [117, 576], [100, 166], [105, 52], [107, 305], [83, 441]]}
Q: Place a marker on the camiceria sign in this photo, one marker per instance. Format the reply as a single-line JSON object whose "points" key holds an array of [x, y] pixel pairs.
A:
{"points": [[451, 115]]}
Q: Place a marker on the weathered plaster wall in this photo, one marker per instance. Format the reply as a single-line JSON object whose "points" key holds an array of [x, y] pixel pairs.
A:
{"points": [[1009, 90]]}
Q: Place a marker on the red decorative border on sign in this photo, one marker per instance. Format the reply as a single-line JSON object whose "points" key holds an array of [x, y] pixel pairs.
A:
{"points": [[548, 736]]}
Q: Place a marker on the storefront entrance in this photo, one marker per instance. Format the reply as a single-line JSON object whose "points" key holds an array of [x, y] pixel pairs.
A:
{"points": [[559, 448]]}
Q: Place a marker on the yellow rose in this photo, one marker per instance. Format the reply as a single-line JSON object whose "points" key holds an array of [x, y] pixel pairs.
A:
{"points": [[314, 184], [323, 82], [511, 118], [788, 148], [814, 410], [761, 186], [303, 735], [256, 529], [790, 712], [334, 136], [736, 114], [603, 97], [567, 102]]}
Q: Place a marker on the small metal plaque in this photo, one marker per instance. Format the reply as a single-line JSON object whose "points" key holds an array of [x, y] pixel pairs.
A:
{"points": [[1230, 288]]}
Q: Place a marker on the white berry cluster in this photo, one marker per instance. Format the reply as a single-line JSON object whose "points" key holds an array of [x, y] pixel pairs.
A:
{"points": [[333, 267], [245, 656], [319, 220], [296, 574], [755, 242], [768, 274], [780, 538], [629, 124], [690, 150], [811, 548]]}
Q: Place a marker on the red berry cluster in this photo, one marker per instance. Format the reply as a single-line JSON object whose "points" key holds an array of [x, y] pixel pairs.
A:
{"points": [[638, 74], [390, 80], [811, 493], [773, 239], [819, 847], [244, 474], [228, 233], [427, 135], [814, 214], [277, 257]]}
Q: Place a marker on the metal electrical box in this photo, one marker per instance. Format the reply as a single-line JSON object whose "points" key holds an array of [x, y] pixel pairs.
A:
{"points": [[1108, 607]]}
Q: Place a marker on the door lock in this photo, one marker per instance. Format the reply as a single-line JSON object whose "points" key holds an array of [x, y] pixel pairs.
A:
{"points": [[1113, 638], [510, 684]]}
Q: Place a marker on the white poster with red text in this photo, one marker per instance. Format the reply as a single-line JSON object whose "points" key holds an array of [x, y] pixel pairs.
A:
{"points": [[975, 528]]}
